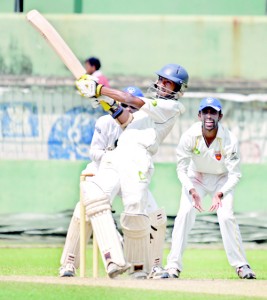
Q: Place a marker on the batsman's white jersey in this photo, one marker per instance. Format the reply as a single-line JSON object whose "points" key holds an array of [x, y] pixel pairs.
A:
{"points": [[208, 170], [151, 124], [129, 167]]}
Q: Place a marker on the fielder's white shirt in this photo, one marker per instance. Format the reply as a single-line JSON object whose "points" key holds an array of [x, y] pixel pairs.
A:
{"points": [[220, 158]]}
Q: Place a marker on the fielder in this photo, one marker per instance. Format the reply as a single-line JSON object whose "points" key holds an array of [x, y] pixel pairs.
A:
{"points": [[208, 163], [129, 168], [106, 134]]}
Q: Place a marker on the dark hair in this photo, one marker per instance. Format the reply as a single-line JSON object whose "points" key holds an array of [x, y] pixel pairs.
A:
{"points": [[93, 61]]}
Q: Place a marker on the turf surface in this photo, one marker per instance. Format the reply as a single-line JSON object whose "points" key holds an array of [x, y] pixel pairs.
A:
{"points": [[199, 263], [23, 291]]}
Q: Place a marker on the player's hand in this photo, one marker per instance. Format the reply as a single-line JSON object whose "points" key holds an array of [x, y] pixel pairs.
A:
{"points": [[88, 87], [196, 200], [106, 102], [216, 201], [94, 102]]}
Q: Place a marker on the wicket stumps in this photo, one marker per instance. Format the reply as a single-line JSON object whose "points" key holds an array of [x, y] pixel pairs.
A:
{"points": [[82, 236]]}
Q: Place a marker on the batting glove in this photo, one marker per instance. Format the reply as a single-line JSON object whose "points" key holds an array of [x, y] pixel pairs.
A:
{"points": [[105, 102], [94, 102], [88, 87]]}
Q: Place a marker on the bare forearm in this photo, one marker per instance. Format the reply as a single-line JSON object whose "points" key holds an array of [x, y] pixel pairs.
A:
{"points": [[122, 97]]}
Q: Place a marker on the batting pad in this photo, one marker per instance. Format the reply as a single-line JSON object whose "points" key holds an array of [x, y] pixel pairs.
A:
{"points": [[107, 238], [77, 212], [94, 200], [71, 251], [136, 231], [158, 221]]}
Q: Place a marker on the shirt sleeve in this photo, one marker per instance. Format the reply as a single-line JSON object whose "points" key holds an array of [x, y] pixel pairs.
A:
{"points": [[162, 110], [184, 154], [99, 142], [232, 163]]}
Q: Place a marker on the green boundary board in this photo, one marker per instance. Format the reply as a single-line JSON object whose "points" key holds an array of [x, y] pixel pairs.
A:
{"points": [[53, 186]]}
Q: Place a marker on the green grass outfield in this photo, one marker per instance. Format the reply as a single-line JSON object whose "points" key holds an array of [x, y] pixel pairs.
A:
{"points": [[33, 291], [199, 263]]}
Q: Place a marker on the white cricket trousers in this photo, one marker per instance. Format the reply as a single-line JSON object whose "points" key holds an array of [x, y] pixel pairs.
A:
{"points": [[186, 216], [130, 173]]}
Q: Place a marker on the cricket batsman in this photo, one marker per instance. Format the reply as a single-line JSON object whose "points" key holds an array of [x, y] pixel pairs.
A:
{"points": [[129, 168], [105, 138]]}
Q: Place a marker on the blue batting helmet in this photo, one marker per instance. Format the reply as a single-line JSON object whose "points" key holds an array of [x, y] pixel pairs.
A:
{"points": [[175, 73]]}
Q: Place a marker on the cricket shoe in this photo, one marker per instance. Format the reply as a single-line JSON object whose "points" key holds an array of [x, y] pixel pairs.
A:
{"points": [[157, 272], [67, 271], [245, 272], [114, 270], [172, 272], [138, 275]]}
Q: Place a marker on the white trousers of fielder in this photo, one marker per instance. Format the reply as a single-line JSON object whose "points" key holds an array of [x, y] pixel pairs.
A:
{"points": [[186, 216]]}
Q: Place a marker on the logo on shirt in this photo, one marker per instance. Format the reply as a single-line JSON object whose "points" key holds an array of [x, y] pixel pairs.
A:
{"points": [[141, 175], [218, 155], [196, 151]]}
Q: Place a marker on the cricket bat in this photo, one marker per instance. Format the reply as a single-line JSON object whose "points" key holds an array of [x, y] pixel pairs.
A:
{"points": [[40, 23]]}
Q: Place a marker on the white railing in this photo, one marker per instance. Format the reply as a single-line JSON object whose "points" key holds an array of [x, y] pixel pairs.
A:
{"points": [[55, 123]]}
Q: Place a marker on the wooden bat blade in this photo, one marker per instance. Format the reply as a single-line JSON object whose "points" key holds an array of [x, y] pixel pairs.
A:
{"points": [[41, 24]]}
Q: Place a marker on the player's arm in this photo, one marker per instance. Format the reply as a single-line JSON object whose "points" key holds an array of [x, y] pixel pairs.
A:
{"points": [[232, 163], [99, 142], [122, 97], [158, 109], [117, 112], [88, 87], [184, 155]]}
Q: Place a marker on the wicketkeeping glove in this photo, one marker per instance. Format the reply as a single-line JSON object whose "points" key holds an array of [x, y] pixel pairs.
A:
{"points": [[88, 87]]}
